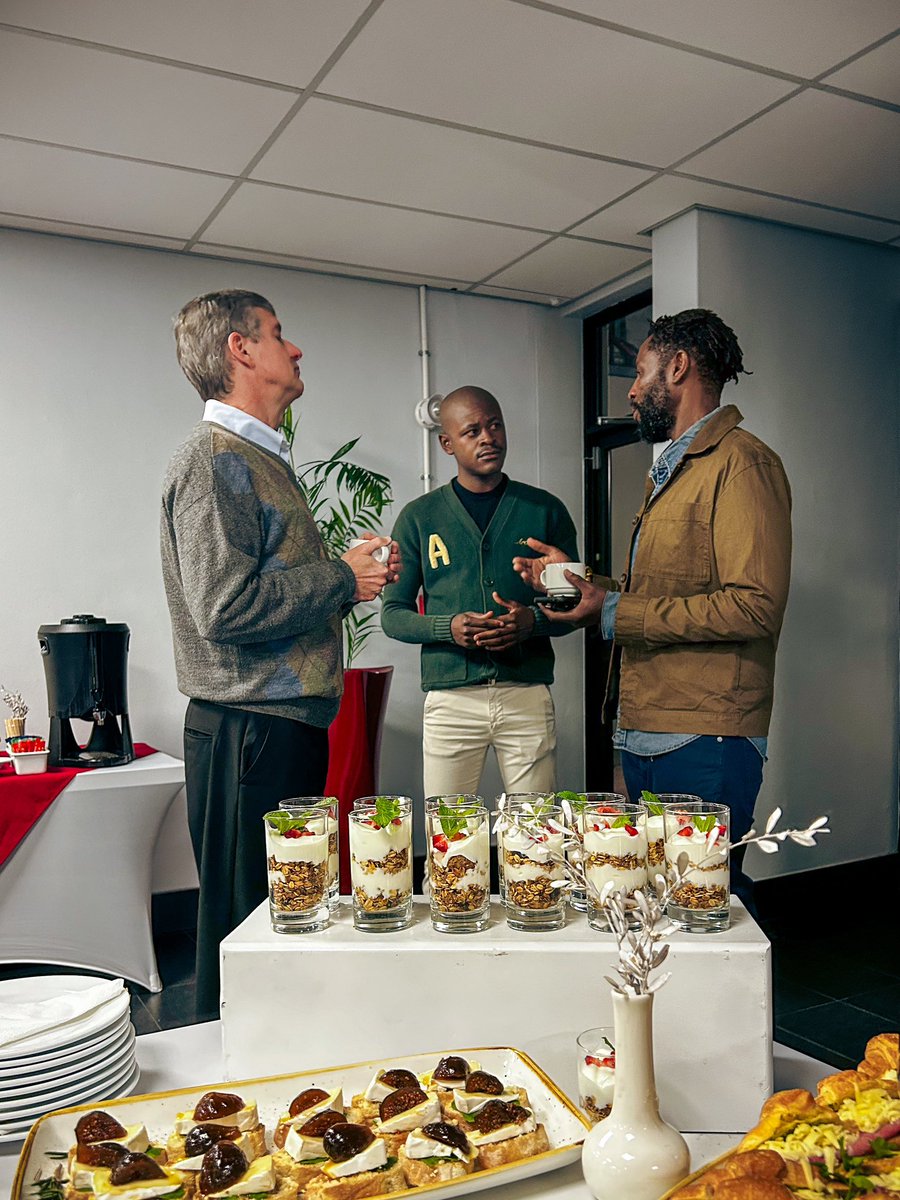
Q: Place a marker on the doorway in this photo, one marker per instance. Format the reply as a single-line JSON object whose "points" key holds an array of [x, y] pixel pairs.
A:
{"points": [[616, 465]]}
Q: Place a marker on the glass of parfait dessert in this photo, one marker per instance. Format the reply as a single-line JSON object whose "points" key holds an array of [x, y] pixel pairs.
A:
{"points": [[506, 802], [459, 863], [381, 864], [328, 806], [655, 805], [697, 865], [297, 853], [615, 853], [596, 1072], [576, 803], [530, 846]]}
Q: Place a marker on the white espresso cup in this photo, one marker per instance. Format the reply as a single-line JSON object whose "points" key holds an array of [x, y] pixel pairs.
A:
{"points": [[382, 554], [553, 578]]}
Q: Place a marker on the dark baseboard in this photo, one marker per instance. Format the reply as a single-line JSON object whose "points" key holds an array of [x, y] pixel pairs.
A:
{"points": [[841, 894]]}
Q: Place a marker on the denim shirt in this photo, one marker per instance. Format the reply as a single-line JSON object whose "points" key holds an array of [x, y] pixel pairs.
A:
{"points": [[637, 741]]}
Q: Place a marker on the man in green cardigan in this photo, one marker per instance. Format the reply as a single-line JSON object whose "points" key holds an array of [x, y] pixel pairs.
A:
{"points": [[487, 662]]}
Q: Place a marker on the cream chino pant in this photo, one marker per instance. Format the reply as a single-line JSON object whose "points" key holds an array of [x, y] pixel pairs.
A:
{"points": [[459, 725]]}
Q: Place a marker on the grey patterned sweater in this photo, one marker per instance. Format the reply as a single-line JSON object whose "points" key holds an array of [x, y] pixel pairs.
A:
{"points": [[255, 602]]}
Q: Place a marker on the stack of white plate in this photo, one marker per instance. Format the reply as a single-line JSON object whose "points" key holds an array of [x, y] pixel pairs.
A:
{"points": [[89, 1058]]}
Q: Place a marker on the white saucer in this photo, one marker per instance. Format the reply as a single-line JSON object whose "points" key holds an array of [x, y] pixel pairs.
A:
{"points": [[67, 1060], [119, 1086], [35, 1091], [45, 987]]}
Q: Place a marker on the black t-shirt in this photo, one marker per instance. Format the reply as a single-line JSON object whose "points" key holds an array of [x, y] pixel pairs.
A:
{"points": [[480, 506]]}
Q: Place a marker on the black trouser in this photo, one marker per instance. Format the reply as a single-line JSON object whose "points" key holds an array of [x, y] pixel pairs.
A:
{"points": [[238, 765]]}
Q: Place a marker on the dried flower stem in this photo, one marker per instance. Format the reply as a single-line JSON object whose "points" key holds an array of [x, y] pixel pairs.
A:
{"points": [[15, 702]]}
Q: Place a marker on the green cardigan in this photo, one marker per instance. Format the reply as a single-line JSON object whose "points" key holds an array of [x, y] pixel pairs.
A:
{"points": [[457, 568]]}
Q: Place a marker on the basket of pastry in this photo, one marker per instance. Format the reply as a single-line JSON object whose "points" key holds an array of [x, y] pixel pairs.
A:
{"points": [[843, 1142], [451, 1122]]}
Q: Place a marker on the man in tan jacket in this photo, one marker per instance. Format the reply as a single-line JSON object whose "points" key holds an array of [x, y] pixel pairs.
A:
{"points": [[697, 613]]}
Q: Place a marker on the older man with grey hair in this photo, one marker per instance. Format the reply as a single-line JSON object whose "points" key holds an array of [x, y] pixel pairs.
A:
{"points": [[255, 604]]}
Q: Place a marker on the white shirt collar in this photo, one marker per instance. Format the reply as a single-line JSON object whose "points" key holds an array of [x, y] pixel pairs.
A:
{"points": [[248, 427]]}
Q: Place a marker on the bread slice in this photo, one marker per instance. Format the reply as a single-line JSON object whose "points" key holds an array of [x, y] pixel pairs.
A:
{"points": [[782, 1113], [450, 1113], [355, 1187], [362, 1111], [287, 1168], [418, 1172], [496, 1154], [759, 1167]]}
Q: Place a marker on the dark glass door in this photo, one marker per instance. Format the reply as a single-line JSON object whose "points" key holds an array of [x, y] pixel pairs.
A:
{"points": [[616, 466]]}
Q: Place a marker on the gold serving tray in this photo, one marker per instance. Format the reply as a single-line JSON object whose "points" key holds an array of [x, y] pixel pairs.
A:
{"points": [[564, 1123]]}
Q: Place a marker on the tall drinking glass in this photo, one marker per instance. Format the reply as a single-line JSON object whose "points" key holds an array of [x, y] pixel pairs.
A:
{"points": [[381, 866], [533, 858], [328, 806], [506, 803], [297, 855], [459, 864], [615, 853], [578, 802], [697, 864]]}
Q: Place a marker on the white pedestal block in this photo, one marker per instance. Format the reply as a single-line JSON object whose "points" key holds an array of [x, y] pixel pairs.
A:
{"points": [[295, 1002]]}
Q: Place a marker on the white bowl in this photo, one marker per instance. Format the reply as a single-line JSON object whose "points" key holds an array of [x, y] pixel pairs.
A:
{"points": [[30, 762]]}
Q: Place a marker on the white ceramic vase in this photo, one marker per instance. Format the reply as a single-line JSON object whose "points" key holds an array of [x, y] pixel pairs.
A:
{"points": [[634, 1154]]}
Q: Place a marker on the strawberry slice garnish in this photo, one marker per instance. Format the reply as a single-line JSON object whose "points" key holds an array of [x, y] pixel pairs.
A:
{"points": [[440, 843], [721, 829], [396, 821], [686, 832], [592, 1060], [631, 831]]}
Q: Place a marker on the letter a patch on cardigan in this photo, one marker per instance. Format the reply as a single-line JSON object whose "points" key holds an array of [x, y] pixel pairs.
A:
{"points": [[437, 551]]}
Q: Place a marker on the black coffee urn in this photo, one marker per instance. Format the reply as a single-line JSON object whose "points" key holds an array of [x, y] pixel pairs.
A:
{"points": [[86, 665]]}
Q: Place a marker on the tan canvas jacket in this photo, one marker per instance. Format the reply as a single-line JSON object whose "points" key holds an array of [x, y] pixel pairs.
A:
{"points": [[700, 614]]}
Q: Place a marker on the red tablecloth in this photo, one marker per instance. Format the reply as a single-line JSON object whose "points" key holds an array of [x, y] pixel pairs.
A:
{"points": [[25, 798]]}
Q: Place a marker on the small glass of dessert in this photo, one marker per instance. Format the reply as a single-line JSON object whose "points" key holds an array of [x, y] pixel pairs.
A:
{"points": [[459, 863], [656, 829], [576, 803], [505, 803], [615, 853], [530, 842], [328, 806], [697, 865], [596, 1072], [381, 864], [297, 840]]}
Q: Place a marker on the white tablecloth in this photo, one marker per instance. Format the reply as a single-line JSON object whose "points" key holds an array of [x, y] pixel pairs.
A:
{"points": [[76, 890], [193, 1055]]}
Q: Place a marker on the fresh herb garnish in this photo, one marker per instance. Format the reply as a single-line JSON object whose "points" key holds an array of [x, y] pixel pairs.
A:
{"points": [[612, 1048], [577, 800], [453, 820], [706, 824], [308, 1162], [620, 822], [153, 1151], [51, 1188], [652, 802], [56, 1154], [883, 1148], [282, 822], [387, 809]]}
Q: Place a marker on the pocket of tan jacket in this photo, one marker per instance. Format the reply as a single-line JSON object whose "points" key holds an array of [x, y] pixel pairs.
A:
{"points": [[675, 543]]}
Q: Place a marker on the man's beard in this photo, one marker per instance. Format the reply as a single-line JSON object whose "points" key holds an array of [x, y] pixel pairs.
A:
{"points": [[655, 417]]}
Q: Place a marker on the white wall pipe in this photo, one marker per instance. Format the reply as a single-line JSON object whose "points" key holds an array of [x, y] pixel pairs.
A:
{"points": [[426, 390]]}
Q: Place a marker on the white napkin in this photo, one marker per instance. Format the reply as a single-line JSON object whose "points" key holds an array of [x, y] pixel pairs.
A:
{"points": [[23, 1020]]}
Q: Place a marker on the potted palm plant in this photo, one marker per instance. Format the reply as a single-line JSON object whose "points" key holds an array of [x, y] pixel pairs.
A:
{"points": [[346, 501]]}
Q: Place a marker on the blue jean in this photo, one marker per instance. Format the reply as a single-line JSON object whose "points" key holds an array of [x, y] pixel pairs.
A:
{"points": [[720, 770]]}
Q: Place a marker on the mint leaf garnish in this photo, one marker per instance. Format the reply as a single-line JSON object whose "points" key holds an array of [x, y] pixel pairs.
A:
{"points": [[620, 822], [281, 822], [453, 820], [706, 824], [387, 809], [652, 802]]}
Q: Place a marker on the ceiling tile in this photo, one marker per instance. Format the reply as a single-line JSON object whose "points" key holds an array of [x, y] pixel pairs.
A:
{"points": [[565, 268], [544, 77], [365, 235], [93, 233], [815, 147], [285, 41], [802, 37], [298, 263], [89, 98], [69, 185], [358, 152], [875, 74], [669, 195]]}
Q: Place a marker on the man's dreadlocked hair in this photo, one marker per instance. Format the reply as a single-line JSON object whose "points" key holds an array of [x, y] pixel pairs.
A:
{"points": [[703, 335]]}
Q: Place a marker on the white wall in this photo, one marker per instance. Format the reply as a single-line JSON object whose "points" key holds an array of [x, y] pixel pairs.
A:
{"points": [[817, 317], [92, 404]]}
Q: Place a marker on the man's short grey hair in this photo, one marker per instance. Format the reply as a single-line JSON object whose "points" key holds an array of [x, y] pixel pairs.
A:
{"points": [[201, 336]]}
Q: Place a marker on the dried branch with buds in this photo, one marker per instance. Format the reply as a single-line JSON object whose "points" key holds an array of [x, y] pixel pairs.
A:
{"points": [[14, 700], [637, 921]]}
